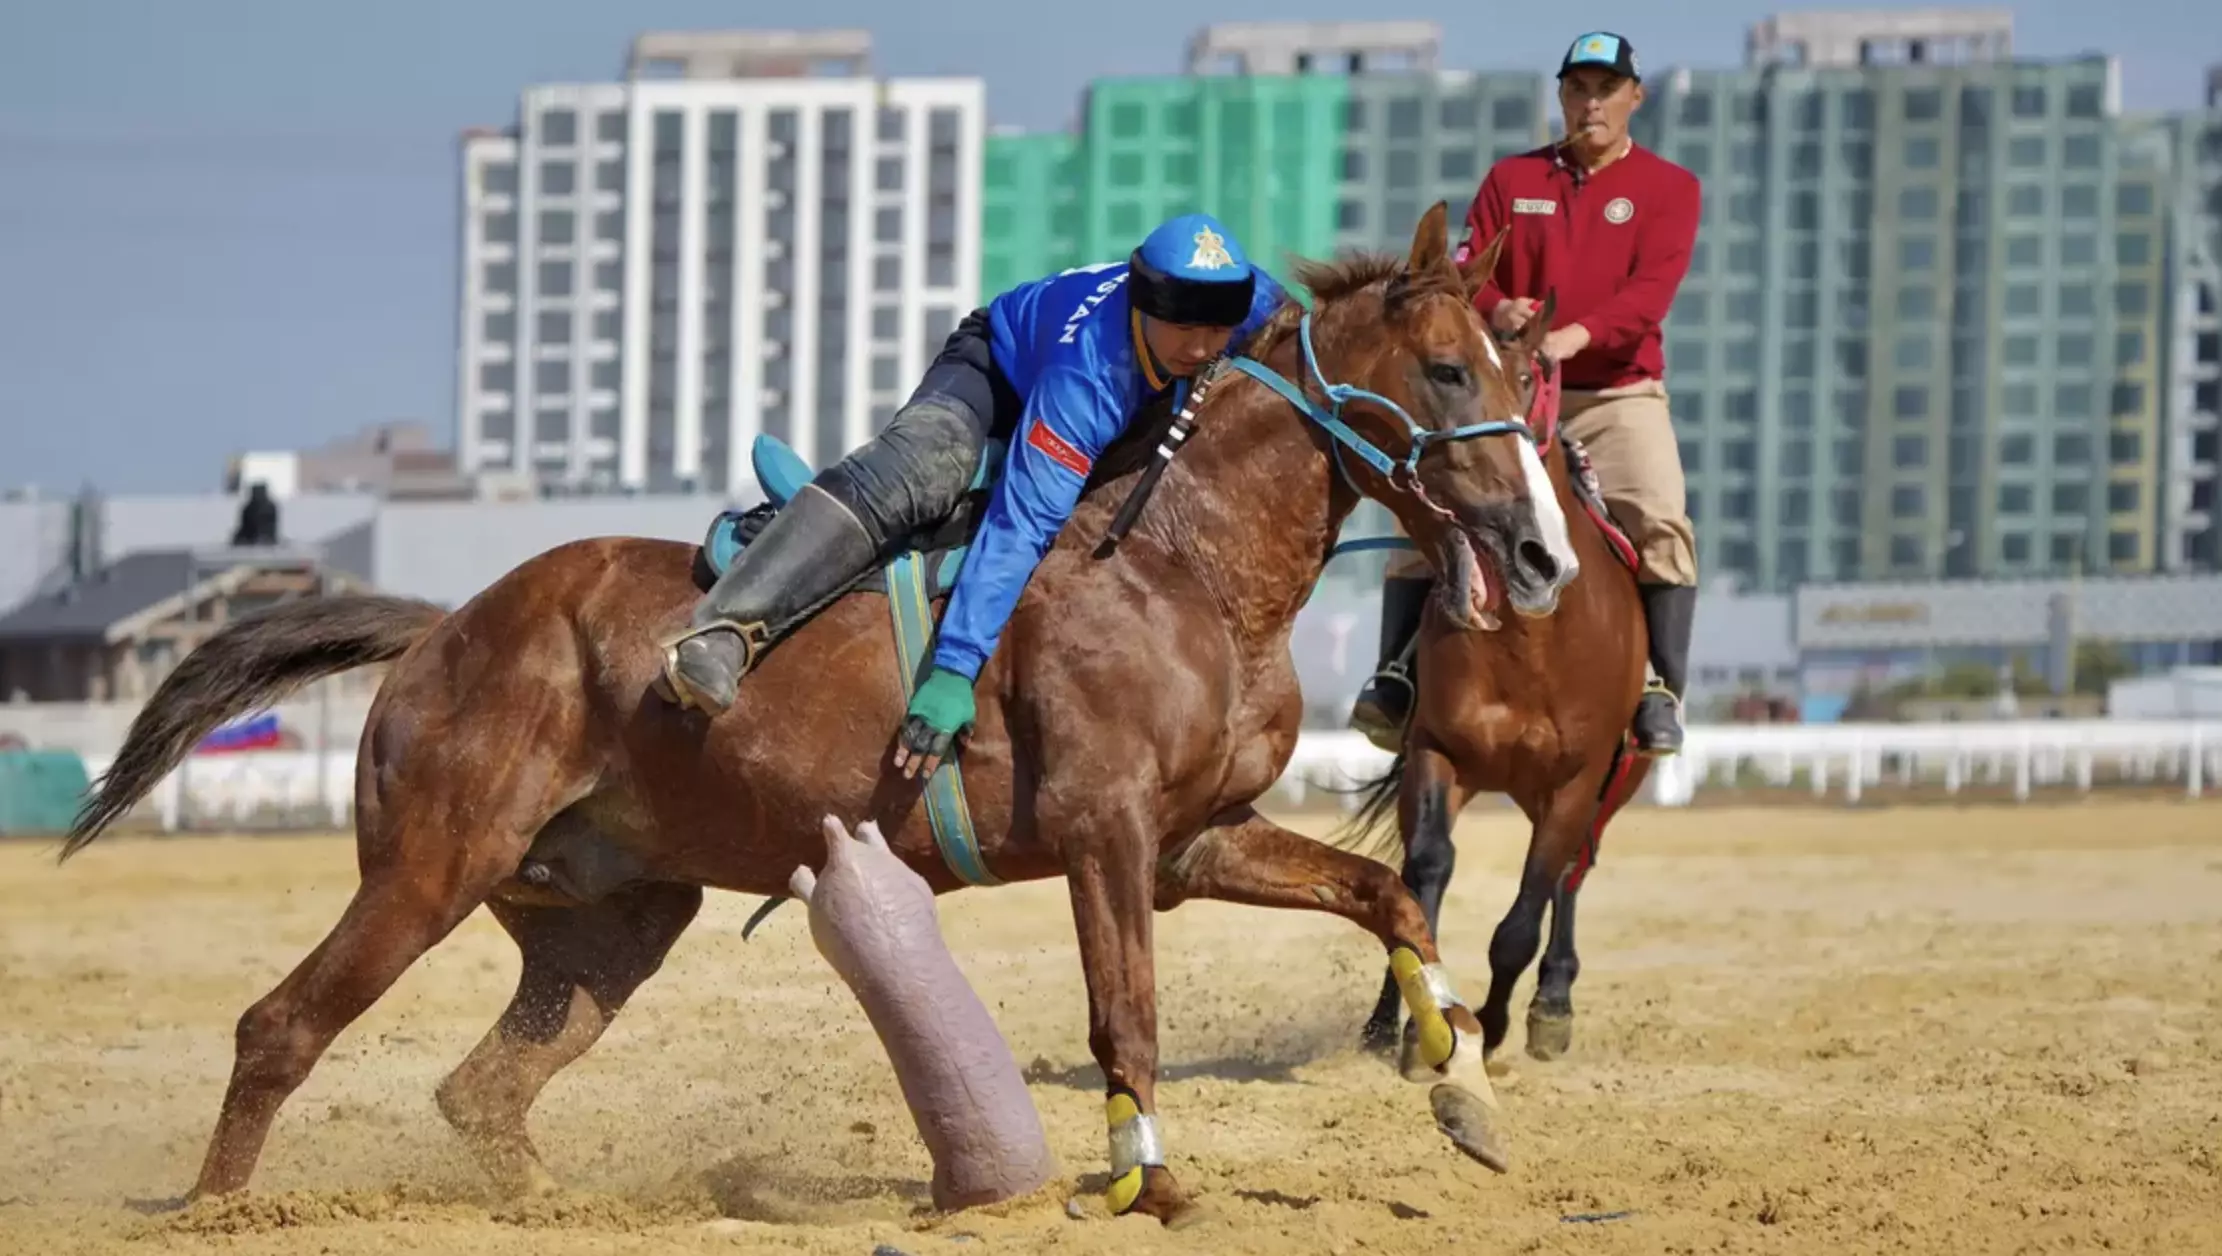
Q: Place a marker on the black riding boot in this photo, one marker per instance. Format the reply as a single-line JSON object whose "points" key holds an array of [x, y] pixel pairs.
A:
{"points": [[802, 559], [1667, 611], [1386, 702]]}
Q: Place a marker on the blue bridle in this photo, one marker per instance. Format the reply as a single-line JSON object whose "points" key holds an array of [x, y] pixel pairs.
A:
{"points": [[1329, 417]]}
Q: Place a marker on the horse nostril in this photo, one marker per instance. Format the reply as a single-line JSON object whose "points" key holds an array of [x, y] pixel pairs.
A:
{"points": [[1538, 560]]}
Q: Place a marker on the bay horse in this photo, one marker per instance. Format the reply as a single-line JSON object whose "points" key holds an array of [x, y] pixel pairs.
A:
{"points": [[1538, 710], [1135, 710]]}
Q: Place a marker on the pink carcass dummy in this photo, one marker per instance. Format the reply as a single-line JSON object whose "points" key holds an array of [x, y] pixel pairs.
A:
{"points": [[874, 921]]}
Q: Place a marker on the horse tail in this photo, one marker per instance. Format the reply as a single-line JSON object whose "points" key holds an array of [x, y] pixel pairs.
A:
{"points": [[249, 664], [1372, 832]]}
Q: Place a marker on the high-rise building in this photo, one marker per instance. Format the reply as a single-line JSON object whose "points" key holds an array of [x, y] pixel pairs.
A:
{"points": [[2190, 357], [1908, 345], [748, 234], [1305, 137]]}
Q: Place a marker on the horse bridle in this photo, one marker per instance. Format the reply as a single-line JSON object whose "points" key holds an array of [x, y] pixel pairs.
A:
{"points": [[1542, 404]]}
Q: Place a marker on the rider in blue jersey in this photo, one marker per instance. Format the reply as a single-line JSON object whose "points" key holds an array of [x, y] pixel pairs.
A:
{"points": [[1057, 368]]}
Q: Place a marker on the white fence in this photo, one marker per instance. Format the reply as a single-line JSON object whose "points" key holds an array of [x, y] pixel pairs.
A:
{"points": [[1841, 758]]}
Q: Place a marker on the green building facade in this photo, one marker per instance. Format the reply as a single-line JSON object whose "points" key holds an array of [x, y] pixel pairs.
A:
{"points": [[1907, 345]]}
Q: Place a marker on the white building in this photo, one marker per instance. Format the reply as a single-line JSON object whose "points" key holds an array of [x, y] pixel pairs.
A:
{"points": [[749, 234]]}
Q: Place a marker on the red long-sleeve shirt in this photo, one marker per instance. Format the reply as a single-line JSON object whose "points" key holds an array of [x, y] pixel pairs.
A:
{"points": [[1613, 245]]}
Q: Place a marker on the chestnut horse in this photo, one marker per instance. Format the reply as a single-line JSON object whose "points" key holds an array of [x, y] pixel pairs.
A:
{"points": [[1136, 708], [1539, 710]]}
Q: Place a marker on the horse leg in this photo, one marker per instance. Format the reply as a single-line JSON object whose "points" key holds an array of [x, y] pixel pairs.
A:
{"points": [[1427, 807], [1110, 887], [1551, 1011], [398, 913], [1561, 824], [1248, 859], [580, 966]]}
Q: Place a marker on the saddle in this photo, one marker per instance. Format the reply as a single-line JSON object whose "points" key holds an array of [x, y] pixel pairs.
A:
{"points": [[938, 551]]}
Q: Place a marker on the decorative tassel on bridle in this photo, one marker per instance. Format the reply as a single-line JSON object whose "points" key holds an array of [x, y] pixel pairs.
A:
{"points": [[1175, 434]]}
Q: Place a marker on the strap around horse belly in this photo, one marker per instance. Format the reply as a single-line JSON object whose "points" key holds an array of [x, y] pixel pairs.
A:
{"points": [[946, 806]]}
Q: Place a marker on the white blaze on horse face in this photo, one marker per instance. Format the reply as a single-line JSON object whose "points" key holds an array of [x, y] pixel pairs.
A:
{"points": [[1550, 517]]}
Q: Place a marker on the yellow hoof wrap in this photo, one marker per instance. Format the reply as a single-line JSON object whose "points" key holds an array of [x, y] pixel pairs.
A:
{"points": [[1134, 1146], [1427, 994]]}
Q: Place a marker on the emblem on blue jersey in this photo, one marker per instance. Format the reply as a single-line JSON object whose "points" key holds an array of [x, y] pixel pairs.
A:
{"points": [[1211, 251]]}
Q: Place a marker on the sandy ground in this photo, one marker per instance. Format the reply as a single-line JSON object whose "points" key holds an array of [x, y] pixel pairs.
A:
{"points": [[1925, 1030]]}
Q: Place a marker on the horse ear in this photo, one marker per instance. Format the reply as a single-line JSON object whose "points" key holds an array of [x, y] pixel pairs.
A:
{"points": [[1482, 263], [1430, 241], [1539, 326]]}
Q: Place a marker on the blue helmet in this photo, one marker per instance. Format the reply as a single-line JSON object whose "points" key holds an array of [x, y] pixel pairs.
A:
{"points": [[1192, 272]]}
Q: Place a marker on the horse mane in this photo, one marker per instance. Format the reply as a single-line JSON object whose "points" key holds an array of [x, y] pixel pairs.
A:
{"points": [[1347, 274]]}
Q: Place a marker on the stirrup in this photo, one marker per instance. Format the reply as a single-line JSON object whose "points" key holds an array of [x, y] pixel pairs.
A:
{"points": [[1384, 733], [1653, 685], [754, 638]]}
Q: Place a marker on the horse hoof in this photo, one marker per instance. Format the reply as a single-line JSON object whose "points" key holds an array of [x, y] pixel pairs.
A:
{"points": [[1410, 1066], [1550, 1034], [1160, 1197], [1500, 1069], [1378, 1039], [1470, 1124]]}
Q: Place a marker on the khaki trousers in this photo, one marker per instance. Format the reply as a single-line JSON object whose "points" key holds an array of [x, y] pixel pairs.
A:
{"points": [[1630, 438]]}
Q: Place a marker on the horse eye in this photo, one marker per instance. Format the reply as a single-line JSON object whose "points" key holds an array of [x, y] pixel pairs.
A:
{"points": [[1449, 374]]}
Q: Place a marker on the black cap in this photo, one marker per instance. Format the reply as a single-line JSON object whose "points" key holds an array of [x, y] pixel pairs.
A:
{"points": [[1604, 50]]}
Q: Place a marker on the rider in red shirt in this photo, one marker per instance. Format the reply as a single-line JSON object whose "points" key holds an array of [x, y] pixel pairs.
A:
{"points": [[1608, 227]]}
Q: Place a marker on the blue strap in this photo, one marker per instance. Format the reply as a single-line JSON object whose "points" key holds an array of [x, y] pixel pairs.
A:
{"points": [[1372, 543], [780, 471], [946, 806]]}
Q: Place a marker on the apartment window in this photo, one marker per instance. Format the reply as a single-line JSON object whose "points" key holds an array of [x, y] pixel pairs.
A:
{"points": [[2121, 547], [1914, 354], [2127, 399], [2026, 152], [498, 179], [2133, 248], [609, 176], [2071, 499], [2125, 448], [2015, 499], [1404, 119], [500, 277], [497, 377], [558, 226], [2020, 350], [499, 327], [2084, 101], [604, 376], [609, 326], [2014, 548], [1917, 204], [1910, 401], [2129, 349], [1911, 449], [1917, 302], [551, 377], [558, 178], [1917, 253], [1459, 164], [2079, 201], [2080, 152], [2071, 402], [1512, 113], [2131, 299], [555, 279], [554, 327], [1696, 110], [559, 128], [2076, 301], [2133, 199], [1907, 501], [2029, 101], [1905, 551], [2121, 498], [610, 128], [1921, 153], [1460, 113], [2025, 251]]}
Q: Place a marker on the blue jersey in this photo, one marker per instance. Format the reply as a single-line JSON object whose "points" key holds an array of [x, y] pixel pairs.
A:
{"points": [[1068, 345]]}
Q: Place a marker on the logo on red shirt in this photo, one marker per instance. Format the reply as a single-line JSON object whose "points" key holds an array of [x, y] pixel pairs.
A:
{"points": [[1059, 450]]}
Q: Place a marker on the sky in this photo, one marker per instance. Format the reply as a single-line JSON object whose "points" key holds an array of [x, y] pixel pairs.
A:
{"points": [[231, 224]]}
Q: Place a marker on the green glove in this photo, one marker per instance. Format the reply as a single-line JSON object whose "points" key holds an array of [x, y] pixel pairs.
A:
{"points": [[941, 709]]}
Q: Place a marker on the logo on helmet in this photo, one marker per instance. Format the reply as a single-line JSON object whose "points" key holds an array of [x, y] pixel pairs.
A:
{"points": [[1211, 252]]}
